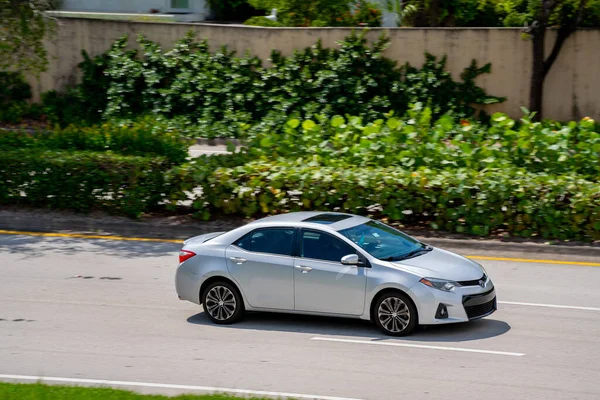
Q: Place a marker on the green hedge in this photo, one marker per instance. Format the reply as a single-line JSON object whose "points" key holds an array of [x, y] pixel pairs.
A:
{"points": [[83, 181], [418, 140], [213, 92], [39, 391], [460, 200], [143, 137]]}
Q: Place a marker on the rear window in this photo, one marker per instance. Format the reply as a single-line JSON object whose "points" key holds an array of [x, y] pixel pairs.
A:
{"points": [[268, 240]]}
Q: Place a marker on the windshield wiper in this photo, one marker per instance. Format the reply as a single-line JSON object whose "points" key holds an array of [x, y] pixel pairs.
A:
{"points": [[410, 254]]}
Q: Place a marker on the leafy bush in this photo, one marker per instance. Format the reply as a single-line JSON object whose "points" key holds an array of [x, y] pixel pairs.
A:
{"points": [[365, 13], [307, 12], [495, 13], [461, 200], [14, 93], [218, 93], [525, 178], [262, 21], [232, 10], [83, 181], [142, 137], [418, 140], [85, 103]]}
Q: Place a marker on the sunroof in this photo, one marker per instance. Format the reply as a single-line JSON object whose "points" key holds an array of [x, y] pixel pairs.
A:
{"points": [[327, 219]]}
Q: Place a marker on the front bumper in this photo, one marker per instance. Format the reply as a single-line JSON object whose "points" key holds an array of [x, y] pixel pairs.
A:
{"points": [[465, 303]]}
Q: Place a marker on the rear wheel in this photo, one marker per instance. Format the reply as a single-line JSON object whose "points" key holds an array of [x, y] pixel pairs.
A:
{"points": [[395, 314], [223, 303]]}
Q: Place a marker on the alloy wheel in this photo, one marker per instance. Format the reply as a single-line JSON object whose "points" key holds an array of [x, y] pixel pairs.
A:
{"points": [[393, 314], [220, 303]]}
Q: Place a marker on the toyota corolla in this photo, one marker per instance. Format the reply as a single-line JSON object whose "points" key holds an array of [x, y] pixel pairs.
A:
{"points": [[331, 264]]}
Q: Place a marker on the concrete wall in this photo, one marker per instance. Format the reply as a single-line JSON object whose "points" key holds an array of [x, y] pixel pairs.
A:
{"points": [[572, 87]]}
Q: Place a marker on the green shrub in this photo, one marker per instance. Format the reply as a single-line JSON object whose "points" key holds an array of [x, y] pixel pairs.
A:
{"points": [[216, 94], [365, 13], [232, 10], [15, 140], [142, 137], [418, 140], [85, 103], [262, 21], [14, 94], [305, 12], [83, 181], [462, 200]]}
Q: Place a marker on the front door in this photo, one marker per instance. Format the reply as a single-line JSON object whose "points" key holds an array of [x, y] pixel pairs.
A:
{"points": [[322, 283], [262, 264]]}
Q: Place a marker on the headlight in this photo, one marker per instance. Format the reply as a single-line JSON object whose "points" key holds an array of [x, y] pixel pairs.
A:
{"points": [[440, 284]]}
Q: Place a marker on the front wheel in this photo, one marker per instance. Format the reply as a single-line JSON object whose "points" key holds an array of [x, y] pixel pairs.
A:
{"points": [[223, 303], [395, 314]]}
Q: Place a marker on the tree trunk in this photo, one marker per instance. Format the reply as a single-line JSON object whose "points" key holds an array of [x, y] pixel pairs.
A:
{"points": [[538, 73]]}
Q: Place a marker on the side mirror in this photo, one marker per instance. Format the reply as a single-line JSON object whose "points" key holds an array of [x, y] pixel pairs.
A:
{"points": [[350, 259]]}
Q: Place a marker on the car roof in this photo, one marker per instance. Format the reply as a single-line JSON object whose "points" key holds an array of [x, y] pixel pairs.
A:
{"points": [[332, 220]]}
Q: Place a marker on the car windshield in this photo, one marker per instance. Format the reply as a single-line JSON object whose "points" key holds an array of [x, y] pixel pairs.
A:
{"points": [[384, 242]]}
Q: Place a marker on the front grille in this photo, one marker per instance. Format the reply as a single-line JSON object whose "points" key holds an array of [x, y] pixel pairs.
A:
{"points": [[482, 309], [480, 304], [473, 282]]}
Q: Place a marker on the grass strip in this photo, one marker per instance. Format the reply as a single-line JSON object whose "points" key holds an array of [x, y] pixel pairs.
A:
{"points": [[38, 391]]}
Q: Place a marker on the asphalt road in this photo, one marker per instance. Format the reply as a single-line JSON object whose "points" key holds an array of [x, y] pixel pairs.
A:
{"points": [[107, 310]]}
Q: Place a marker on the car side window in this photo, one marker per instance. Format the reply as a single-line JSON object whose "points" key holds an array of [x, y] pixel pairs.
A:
{"points": [[323, 246], [268, 240]]}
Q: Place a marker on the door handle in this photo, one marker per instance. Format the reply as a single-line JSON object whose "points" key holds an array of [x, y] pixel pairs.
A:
{"points": [[238, 260], [305, 270]]}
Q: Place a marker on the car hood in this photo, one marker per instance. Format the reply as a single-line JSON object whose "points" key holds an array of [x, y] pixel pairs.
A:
{"points": [[442, 264]]}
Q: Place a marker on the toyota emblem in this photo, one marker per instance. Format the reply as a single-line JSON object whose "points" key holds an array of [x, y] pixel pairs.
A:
{"points": [[481, 283]]}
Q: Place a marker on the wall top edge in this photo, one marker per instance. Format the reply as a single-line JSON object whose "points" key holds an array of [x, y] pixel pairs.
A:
{"points": [[241, 26]]}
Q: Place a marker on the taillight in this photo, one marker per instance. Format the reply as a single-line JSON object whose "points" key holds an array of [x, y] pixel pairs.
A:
{"points": [[185, 255]]}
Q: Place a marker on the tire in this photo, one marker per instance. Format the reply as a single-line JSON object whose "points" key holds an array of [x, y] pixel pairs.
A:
{"points": [[223, 303], [395, 314]]}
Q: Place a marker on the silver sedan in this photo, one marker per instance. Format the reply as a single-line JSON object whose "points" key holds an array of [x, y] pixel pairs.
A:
{"points": [[332, 264]]}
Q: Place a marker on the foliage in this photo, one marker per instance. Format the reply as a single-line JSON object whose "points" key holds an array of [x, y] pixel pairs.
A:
{"points": [[219, 94], [38, 391], [364, 13], [433, 85], [23, 27], [262, 21], [427, 13], [460, 200], [321, 12], [418, 140], [14, 94], [85, 103], [496, 13], [232, 10], [82, 180], [142, 137], [523, 177], [524, 12]]}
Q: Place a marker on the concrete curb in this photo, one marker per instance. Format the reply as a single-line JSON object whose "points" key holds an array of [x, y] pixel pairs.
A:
{"points": [[183, 227]]}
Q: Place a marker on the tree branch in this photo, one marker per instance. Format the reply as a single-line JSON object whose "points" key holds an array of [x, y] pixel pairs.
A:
{"points": [[563, 33], [582, 4]]}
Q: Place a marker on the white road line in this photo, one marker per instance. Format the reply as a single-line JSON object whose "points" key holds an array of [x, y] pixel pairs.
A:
{"points": [[169, 386], [549, 306], [420, 346]]}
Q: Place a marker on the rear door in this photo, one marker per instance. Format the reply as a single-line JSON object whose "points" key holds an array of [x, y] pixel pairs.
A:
{"points": [[262, 264], [322, 283]]}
